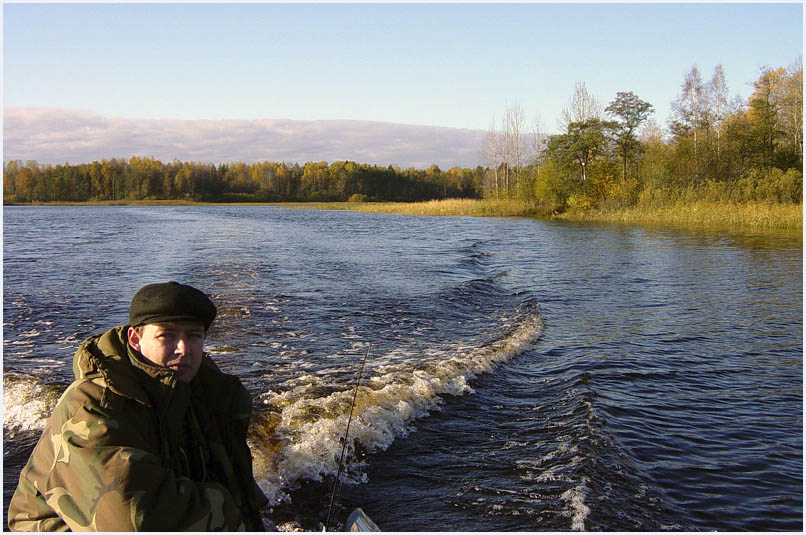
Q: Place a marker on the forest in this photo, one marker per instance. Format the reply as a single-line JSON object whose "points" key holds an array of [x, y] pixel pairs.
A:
{"points": [[149, 179], [714, 148]]}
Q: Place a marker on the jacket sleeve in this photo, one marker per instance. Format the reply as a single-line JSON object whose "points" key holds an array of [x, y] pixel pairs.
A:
{"points": [[99, 471], [255, 499]]}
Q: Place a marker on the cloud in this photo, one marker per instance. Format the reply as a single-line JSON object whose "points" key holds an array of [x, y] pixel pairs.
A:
{"points": [[55, 136]]}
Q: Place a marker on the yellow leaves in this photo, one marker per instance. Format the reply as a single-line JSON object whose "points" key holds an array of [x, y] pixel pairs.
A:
{"points": [[579, 202]]}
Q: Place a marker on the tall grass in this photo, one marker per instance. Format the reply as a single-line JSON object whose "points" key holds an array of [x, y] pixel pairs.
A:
{"points": [[748, 215], [753, 215], [454, 207]]}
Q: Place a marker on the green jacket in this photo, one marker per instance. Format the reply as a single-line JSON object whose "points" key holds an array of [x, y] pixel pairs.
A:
{"points": [[131, 448]]}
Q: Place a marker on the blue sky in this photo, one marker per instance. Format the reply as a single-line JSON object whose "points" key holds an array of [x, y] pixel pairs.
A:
{"points": [[452, 65]]}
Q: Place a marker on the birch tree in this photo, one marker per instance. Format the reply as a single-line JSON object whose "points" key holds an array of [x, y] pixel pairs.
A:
{"points": [[515, 147], [506, 149], [718, 100], [792, 109], [491, 154], [688, 114], [539, 139], [688, 108], [582, 106]]}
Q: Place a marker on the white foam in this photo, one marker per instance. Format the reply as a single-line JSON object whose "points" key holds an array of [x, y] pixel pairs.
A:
{"points": [[575, 498], [27, 405], [306, 437], [33, 333]]}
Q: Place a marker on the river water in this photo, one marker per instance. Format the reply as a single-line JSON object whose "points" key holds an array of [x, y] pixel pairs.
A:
{"points": [[522, 375]]}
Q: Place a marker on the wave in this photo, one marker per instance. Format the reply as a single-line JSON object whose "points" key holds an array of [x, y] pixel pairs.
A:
{"points": [[27, 403], [296, 437]]}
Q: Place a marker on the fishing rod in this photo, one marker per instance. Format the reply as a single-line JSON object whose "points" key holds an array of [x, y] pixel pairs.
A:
{"points": [[344, 442]]}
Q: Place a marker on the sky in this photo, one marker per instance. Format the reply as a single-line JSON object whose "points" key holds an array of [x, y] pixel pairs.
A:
{"points": [[130, 66]]}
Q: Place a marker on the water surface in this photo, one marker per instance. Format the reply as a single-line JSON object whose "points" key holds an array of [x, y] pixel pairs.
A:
{"points": [[523, 375]]}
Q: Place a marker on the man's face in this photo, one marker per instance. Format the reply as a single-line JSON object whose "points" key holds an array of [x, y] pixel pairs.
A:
{"points": [[175, 344]]}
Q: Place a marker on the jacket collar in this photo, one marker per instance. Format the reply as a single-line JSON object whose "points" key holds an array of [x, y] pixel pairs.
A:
{"points": [[127, 374]]}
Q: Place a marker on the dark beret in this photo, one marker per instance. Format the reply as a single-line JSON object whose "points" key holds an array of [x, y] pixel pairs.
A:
{"points": [[170, 301]]}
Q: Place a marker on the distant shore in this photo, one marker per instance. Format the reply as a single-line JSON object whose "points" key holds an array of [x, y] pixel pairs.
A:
{"points": [[747, 216]]}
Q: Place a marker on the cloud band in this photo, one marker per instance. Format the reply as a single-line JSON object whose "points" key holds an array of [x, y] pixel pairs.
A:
{"points": [[56, 136]]}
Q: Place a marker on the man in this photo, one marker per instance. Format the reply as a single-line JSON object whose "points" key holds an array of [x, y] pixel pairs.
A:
{"points": [[151, 436]]}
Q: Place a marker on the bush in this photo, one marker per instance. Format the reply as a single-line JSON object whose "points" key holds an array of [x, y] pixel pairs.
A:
{"points": [[620, 193], [357, 197], [744, 190], [651, 197], [792, 186], [713, 191], [550, 187], [580, 202], [772, 185]]}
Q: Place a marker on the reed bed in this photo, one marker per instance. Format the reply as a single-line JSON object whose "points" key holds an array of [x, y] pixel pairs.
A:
{"points": [[452, 207], [750, 215]]}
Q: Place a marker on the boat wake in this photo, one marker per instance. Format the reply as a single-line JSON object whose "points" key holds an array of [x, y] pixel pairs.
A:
{"points": [[27, 403], [297, 429], [296, 433]]}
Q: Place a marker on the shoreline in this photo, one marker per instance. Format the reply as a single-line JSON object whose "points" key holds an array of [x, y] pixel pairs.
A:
{"points": [[701, 214]]}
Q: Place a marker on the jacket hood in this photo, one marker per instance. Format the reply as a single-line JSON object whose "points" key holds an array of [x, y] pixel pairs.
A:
{"points": [[110, 355]]}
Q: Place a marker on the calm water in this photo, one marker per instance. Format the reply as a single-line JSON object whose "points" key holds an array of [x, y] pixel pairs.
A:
{"points": [[523, 375]]}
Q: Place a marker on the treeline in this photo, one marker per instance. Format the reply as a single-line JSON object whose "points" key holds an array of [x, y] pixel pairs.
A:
{"points": [[714, 148], [149, 179]]}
